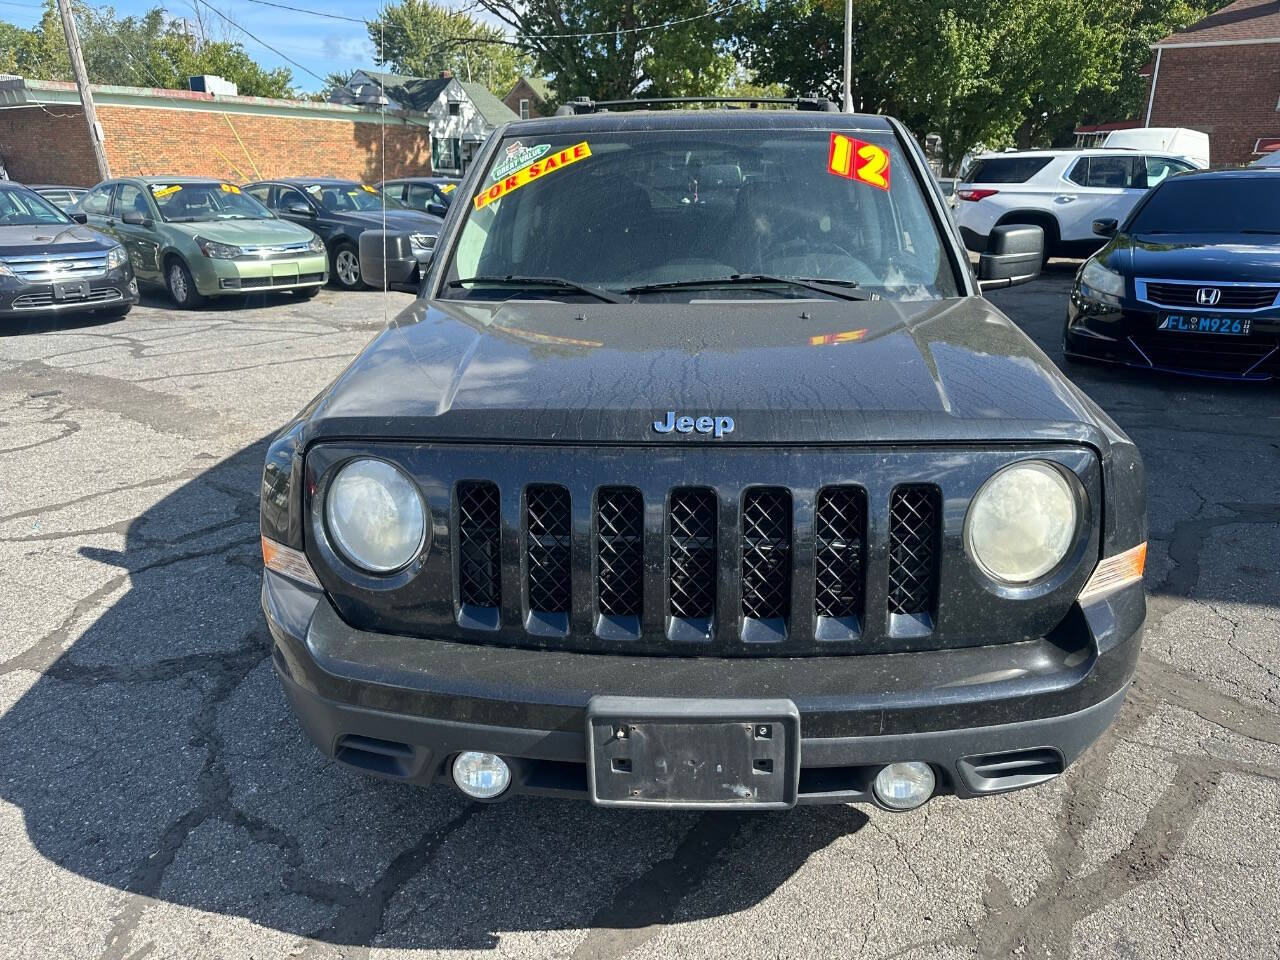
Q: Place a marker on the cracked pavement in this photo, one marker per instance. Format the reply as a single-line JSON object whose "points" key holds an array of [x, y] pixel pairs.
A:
{"points": [[158, 800]]}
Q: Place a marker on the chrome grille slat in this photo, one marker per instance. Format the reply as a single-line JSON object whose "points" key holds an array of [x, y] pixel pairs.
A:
{"points": [[43, 268], [1233, 296], [766, 553]]}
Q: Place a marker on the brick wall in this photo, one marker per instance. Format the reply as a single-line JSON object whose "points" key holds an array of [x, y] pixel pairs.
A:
{"points": [[522, 91], [50, 146], [232, 146], [1228, 92]]}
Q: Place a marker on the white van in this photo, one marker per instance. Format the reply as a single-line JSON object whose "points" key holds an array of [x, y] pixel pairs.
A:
{"points": [[1178, 141]]}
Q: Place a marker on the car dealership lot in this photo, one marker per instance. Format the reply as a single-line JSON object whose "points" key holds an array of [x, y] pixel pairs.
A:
{"points": [[159, 799]]}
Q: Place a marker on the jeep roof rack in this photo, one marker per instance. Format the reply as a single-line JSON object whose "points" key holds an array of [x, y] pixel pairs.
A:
{"points": [[586, 105]]}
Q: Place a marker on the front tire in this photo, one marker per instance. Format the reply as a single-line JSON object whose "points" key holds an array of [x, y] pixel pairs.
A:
{"points": [[182, 288], [344, 267]]}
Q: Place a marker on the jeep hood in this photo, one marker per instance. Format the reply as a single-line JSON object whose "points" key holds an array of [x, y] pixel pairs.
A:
{"points": [[786, 371]]}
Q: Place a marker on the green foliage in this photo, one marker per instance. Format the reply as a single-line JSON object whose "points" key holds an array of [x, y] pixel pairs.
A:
{"points": [[976, 72], [150, 50], [419, 38], [620, 59]]}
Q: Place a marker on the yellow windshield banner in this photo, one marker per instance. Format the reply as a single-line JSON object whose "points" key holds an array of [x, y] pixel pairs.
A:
{"points": [[532, 172]]}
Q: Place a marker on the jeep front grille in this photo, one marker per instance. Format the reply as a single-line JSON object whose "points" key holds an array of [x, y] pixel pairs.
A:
{"points": [[766, 553], [724, 551], [839, 547], [547, 535], [913, 549], [619, 553], [691, 554], [479, 559]]}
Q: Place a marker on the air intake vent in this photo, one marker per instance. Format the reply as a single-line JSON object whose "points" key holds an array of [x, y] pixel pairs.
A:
{"points": [[840, 532], [766, 553], [691, 553], [479, 523], [619, 550], [547, 528], [913, 550]]}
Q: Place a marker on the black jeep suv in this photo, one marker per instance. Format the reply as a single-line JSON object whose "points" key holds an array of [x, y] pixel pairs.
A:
{"points": [[702, 475]]}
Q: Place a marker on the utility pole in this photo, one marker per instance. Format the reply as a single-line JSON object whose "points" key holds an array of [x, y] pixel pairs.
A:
{"points": [[86, 95], [849, 55]]}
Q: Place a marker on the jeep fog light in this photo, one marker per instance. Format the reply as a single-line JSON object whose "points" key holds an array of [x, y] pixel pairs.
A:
{"points": [[904, 785], [375, 516], [1022, 522], [482, 776]]}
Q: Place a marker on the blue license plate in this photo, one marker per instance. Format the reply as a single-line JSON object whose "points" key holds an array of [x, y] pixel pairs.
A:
{"points": [[1193, 323]]}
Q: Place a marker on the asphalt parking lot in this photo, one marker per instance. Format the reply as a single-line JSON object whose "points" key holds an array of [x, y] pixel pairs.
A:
{"points": [[158, 800]]}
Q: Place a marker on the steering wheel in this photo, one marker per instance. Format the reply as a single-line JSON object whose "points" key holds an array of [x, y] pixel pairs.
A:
{"points": [[807, 248]]}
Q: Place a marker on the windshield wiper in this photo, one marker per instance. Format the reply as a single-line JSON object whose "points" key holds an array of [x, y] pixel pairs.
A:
{"points": [[840, 289], [1264, 232], [512, 280]]}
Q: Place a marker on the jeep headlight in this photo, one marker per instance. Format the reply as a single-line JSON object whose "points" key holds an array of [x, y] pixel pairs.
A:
{"points": [[1022, 522], [315, 245], [116, 257], [1100, 283], [375, 516], [219, 251]]}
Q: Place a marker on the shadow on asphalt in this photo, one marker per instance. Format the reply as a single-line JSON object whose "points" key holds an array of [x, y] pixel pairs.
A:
{"points": [[156, 755]]}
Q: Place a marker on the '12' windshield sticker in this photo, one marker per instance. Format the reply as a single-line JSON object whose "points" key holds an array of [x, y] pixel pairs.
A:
{"points": [[534, 171], [229, 188], [518, 155], [858, 160]]}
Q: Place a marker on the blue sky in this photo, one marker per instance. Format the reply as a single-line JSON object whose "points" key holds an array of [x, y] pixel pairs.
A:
{"points": [[321, 45]]}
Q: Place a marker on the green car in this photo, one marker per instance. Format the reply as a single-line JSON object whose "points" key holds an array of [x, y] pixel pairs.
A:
{"points": [[205, 238]]}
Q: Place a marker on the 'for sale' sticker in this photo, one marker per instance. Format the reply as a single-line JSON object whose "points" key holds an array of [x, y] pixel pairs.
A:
{"points": [[534, 171]]}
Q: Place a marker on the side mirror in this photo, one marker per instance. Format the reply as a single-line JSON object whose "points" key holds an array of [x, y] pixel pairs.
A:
{"points": [[300, 210], [437, 210], [387, 257], [78, 217], [1106, 227], [1014, 255], [135, 219]]}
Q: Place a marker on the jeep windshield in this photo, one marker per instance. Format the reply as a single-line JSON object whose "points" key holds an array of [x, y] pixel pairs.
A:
{"points": [[699, 215]]}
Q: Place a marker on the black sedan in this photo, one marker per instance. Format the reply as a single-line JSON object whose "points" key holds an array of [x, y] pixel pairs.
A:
{"points": [[50, 262], [1190, 283], [339, 211], [429, 194]]}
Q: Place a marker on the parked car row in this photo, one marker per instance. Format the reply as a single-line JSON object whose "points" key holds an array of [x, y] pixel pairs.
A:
{"points": [[66, 248]]}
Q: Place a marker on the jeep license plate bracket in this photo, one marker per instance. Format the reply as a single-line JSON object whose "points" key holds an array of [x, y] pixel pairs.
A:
{"points": [[703, 754]]}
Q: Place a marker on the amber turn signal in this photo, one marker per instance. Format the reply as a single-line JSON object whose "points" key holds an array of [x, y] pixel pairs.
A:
{"points": [[1115, 572], [287, 562]]}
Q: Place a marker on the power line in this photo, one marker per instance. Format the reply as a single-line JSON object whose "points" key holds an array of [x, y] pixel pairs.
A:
{"points": [[261, 42], [541, 36]]}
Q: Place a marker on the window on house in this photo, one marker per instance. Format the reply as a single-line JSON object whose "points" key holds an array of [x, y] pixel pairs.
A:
{"points": [[524, 109], [446, 153], [455, 108]]}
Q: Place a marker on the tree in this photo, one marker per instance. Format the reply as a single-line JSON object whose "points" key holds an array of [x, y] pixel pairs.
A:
{"points": [[615, 49], [989, 72], [150, 50], [420, 39]]}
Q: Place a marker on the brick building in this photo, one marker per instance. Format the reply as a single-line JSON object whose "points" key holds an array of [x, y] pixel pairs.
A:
{"points": [[529, 98], [44, 139], [1222, 75]]}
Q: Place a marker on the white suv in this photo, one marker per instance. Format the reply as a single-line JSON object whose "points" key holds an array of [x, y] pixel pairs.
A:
{"points": [[1063, 191]]}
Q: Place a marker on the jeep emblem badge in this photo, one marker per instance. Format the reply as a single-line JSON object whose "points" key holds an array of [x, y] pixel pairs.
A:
{"points": [[716, 426]]}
